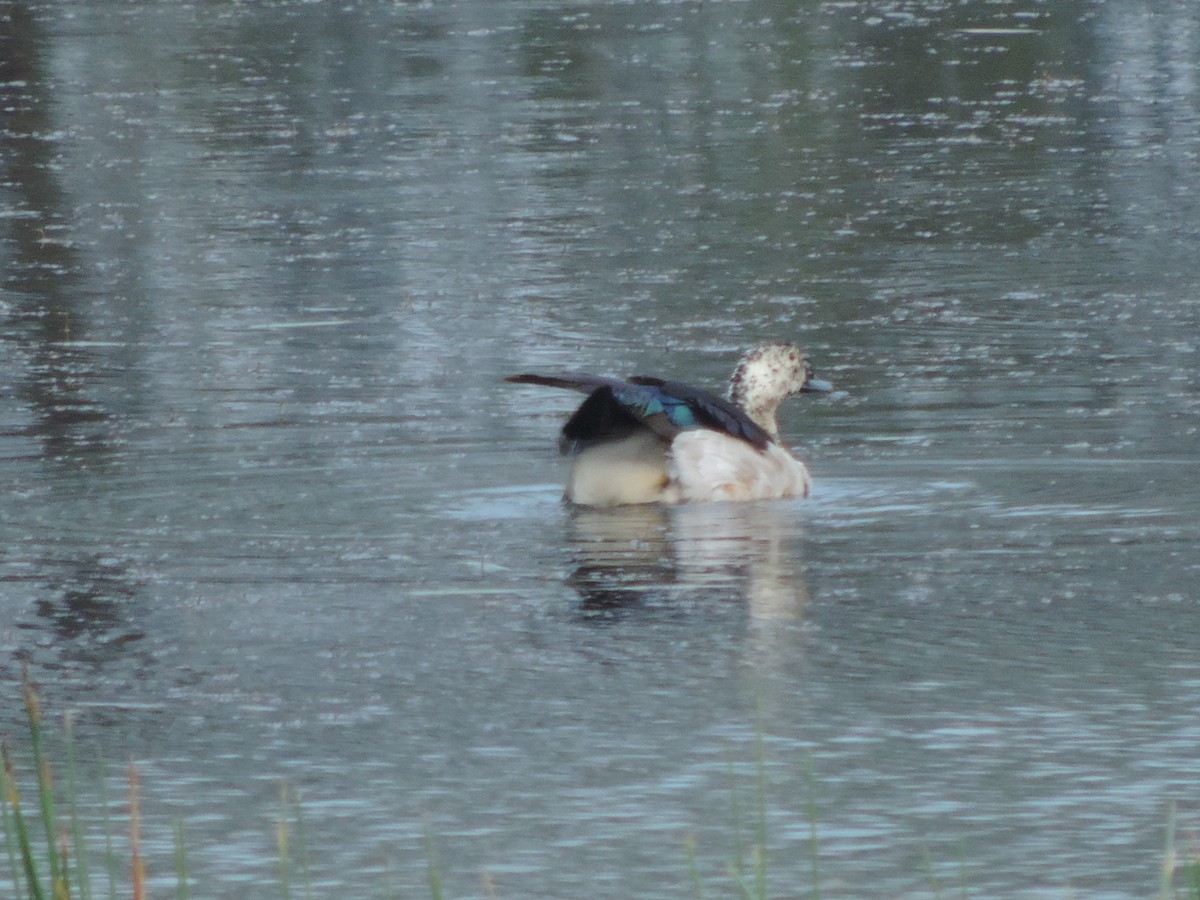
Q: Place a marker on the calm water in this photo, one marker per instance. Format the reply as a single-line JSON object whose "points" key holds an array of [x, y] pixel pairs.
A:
{"points": [[271, 516]]}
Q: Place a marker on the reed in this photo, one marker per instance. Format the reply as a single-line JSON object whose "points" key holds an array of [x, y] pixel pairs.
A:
{"points": [[83, 874], [31, 885], [59, 885], [301, 839], [1178, 864], [48, 853], [137, 864], [814, 852], [290, 817], [10, 842], [111, 864], [281, 843], [181, 871], [748, 868], [689, 844], [58, 867], [435, 874]]}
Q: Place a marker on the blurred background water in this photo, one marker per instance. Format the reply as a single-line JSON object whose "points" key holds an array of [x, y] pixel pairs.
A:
{"points": [[270, 514]]}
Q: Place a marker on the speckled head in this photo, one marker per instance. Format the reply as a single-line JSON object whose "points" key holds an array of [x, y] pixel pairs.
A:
{"points": [[768, 375]]}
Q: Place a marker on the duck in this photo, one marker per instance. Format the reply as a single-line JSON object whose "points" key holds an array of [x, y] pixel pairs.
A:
{"points": [[645, 439]]}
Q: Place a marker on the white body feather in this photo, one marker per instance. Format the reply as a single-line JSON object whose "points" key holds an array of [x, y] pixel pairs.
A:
{"points": [[632, 470], [697, 467], [708, 465]]}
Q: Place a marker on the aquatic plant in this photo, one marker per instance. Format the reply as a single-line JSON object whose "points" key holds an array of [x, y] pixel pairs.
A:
{"points": [[748, 868], [1185, 869], [58, 868], [49, 856]]}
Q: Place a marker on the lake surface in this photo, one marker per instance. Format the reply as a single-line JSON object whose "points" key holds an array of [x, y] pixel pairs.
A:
{"points": [[271, 516]]}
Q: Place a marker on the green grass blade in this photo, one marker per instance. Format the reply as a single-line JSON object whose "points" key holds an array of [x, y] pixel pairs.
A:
{"points": [[1192, 874], [745, 888], [760, 851], [62, 887], [22, 833], [735, 813], [689, 844], [137, 864], [281, 842], [933, 879], [435, 876], [45, 782], [110, 856], [302, 844], [814, 851], [1166, 888], [10, 841], [82, 874], [181, 872]]}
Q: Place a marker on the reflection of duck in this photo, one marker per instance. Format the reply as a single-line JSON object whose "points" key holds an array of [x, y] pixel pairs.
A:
{"points": [[91, 612], [646, 440], [622, 558], [643, 556]]}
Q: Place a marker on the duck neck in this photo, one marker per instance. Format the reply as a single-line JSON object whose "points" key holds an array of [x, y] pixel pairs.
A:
{"points": [[765, 418], [762, 411]]}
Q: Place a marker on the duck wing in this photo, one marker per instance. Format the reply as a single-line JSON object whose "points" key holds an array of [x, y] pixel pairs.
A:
{"points": [[615, 409], [709, 410], [572, 381]]}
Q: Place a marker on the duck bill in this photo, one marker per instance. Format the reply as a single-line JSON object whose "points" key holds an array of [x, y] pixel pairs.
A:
{"points": [[816, 386]]}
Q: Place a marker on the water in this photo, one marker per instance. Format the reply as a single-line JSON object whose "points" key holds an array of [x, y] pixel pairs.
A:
{"points": [[272, 516]]}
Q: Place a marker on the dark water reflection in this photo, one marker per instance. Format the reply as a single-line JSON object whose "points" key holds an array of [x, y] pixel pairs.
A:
{"points": [[269, 512], [654, 558]]}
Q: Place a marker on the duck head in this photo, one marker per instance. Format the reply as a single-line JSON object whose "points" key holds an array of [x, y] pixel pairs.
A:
{"points": [[768, 375]]}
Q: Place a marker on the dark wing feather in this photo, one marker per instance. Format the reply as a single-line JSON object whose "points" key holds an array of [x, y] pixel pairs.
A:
{"points": [[709, 410], [572, 381], [602, 418], [616, 408]]}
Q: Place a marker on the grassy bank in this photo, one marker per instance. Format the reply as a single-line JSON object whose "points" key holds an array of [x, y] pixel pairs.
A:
{"points": [[54, 854]]}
